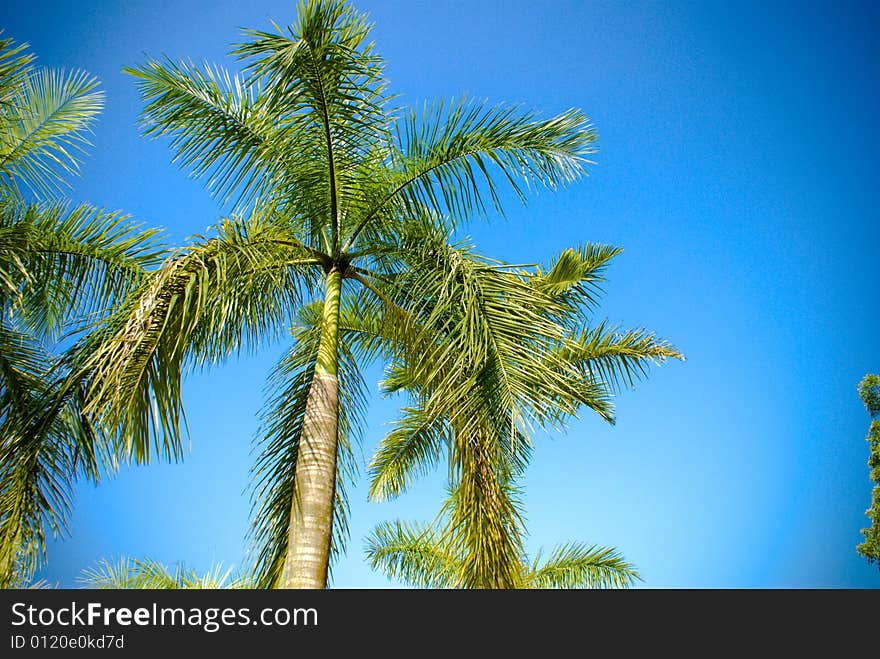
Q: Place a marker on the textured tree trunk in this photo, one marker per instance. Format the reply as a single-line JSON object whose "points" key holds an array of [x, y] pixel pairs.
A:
{"points": [[311, 515]]}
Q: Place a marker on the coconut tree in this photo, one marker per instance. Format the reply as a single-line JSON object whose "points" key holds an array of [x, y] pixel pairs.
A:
{"points": [[482, 418], [61, 265], [335, 199]]}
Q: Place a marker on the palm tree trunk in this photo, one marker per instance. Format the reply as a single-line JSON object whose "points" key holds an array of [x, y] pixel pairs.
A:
{"points": [[311, 514]]}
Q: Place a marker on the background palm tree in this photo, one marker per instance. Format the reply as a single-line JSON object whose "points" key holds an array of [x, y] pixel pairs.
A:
{"points": [[341, 206], [483, 416], [131, 573], [61, 266]]}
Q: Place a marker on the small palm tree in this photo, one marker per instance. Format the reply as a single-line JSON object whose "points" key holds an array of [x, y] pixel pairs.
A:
{"points": [[341, 206], [482, 416], [134, 573], [60, 268]]}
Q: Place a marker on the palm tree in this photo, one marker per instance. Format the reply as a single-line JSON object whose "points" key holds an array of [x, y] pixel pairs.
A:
{"points": [[340, 207], [60, 267], [519, 382], [134, 573]]}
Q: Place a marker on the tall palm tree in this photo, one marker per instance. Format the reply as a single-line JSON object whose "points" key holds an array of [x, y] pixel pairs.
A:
{"points": [[60, 267], [340, 205], [485, 427]]}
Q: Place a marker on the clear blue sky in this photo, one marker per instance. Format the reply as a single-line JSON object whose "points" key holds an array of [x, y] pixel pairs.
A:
{"points": [[738, 168]]}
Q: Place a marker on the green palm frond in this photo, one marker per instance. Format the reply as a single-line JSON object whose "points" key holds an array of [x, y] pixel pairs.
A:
{"points": [[578, 565], [218, 123], [15, 62], [23, 363], [616, 357], [446, 149], [326, 89], [447, 157], [46, 115], [236, 289], [575, 279], [410, 450], [412, 554], [125, 573], [278, 441], [61, 264], [45, 444], [134, 573]]}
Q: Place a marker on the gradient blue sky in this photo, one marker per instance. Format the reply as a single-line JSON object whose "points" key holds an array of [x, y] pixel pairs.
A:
{"points": [[738, 167]]}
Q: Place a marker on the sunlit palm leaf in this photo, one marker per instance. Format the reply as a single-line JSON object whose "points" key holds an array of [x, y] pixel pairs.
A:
{"points": [[412, 554], [411, 449], [236, 289], [59, 265], [219, 124], [44, 445], [580, 566], [616, 357], [45, 118], [133, 573], [15, 62]]}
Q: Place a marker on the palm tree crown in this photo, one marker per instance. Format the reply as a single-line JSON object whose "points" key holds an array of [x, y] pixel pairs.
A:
{"points": [[482, 419], [342, 208]]}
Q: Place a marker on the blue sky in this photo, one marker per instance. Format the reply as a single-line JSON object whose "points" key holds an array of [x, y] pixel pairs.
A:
{"points": [[739, 155]]}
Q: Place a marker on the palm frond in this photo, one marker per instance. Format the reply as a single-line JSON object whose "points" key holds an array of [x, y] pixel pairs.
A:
{"points": [[574, 280], [46, 115], [213, 299], [147, 573], [411, 449], [15, 62], [443, 157], [44, 445], [219, 125], [412, 554], [326, 90], [59, 264], [577, 565], [617, 358]]}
